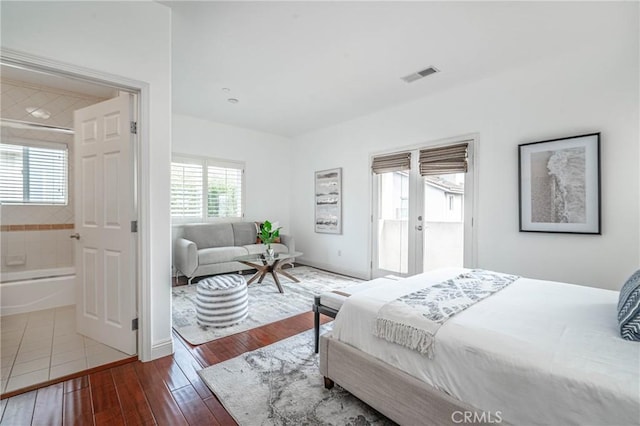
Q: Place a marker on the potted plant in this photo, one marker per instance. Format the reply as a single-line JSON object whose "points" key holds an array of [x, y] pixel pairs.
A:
{"points": [[268, 235]]}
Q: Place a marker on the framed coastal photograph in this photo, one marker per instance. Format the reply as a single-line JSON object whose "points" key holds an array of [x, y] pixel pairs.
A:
{"points": [[328, 201], [560, 185]]}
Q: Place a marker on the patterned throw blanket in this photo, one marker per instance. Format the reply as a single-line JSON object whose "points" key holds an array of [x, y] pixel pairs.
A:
{"points": [[414, 319]]}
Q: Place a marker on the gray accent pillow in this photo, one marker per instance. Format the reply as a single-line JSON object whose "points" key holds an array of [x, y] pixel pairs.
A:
{"points": [[629, 308]]}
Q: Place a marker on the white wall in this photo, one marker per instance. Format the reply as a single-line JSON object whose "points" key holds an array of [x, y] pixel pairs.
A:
{"points": [[590, 90], [132, 40], [267, 161]]}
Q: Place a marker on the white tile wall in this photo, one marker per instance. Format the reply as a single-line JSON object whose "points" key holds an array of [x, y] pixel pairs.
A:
{"points": [[41, 249]]}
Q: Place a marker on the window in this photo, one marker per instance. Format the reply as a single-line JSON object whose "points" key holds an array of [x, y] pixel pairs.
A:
{"points": [[224, 191], [206, 189], [186, 190], [33, 174]]}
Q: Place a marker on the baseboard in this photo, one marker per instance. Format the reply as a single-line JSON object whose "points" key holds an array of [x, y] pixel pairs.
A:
{"points": [[161, 349], [333, 268]]}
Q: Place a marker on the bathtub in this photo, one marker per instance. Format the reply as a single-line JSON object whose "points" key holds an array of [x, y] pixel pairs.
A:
{"points": [[26, 291]]}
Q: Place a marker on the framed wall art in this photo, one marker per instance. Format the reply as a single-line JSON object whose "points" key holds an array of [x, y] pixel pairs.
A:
{"points": [[328, 201], [560, 185]]}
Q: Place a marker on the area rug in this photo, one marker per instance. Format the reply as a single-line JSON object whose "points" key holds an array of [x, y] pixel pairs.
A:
{"points": [[281, 384], [266, 304]]}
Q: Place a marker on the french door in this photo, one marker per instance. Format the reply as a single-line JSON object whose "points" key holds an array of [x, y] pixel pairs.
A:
{"points": [[422, 214]]}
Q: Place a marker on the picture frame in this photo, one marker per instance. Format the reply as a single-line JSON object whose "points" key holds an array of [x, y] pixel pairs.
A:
{"points": [[559, 185], [328, 201]]}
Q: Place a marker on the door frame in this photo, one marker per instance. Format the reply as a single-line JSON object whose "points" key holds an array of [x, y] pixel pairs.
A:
{"points": [[141, 153], [470, 210]]}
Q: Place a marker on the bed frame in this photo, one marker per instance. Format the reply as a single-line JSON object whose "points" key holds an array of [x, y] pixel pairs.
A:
{"points": [[394, 393], [318, 309]]}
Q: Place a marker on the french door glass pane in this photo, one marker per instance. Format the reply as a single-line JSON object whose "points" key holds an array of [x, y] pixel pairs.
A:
{"points": [[443, 221], [393, 222]]}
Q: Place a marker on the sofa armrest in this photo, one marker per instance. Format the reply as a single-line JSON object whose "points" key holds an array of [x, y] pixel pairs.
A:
{"points": [[288, 241], [185, 256]]}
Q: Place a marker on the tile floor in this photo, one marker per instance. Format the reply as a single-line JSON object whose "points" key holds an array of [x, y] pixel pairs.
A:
{"points": [[43, 345]]}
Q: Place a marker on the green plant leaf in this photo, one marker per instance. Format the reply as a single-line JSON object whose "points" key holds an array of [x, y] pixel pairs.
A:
{"points": [[267, 234]]}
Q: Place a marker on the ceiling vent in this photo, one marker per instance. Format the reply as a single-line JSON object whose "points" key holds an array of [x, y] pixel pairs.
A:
{"points": [[420, 74]]}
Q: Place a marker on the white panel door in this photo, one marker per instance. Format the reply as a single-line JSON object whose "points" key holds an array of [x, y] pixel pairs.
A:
{"points": [[106, 293]]}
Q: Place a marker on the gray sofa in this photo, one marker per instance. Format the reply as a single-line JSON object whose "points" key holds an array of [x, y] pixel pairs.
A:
{"points": [[209, 248]]}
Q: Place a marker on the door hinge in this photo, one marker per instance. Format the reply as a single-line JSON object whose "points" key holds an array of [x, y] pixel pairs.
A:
{"points": [[134, 226], [134, 324], [134, 127]]}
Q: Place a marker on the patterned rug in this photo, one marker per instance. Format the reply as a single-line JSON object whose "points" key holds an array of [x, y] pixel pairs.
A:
{"points": [[281, 384], [266, 304]]}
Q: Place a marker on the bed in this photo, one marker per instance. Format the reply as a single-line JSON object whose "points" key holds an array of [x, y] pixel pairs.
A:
{"points": [[536, 352]]}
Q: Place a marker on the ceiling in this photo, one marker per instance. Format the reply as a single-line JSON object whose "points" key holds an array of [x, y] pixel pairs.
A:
{"points": [[300, 66], [56, 82]]}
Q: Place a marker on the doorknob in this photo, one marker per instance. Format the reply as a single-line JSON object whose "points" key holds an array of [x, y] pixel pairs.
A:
{"points": [[419, 227], [76, 236]]}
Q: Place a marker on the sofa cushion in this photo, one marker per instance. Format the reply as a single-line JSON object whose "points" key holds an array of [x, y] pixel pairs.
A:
{"points": [[207, 235], [219, 254], [260, 248], [243, 233]]}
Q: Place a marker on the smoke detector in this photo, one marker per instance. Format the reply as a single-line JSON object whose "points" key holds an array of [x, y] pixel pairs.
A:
{"points": [[420, 74]]}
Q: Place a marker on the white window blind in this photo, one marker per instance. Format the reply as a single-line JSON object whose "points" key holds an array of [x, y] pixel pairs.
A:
{"points": [[204, 188], [33, 174], [186, 189], [224, 192]]}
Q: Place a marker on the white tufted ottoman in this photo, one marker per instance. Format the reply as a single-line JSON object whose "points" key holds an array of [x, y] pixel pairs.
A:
{"points": [[222, 301]]}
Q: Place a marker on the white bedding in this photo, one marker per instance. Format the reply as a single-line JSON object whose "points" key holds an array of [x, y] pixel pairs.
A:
{"points": [[539, 352]]}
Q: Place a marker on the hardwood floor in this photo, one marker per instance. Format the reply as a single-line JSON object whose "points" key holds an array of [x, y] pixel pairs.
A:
{"points": [[166, 391]]}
